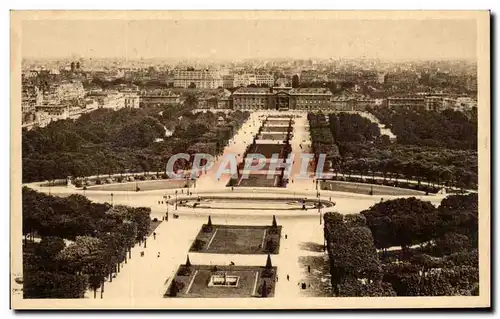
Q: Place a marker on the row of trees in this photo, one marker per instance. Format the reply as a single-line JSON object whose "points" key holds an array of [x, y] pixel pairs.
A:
{"points": [[446, 129], [353, 145], [409, 221], [82, 243], [127, 140], [354, 264], [438, 255], [322, 139]]}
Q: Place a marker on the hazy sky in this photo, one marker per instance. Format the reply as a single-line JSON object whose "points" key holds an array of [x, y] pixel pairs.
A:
{"points": [[227, 39]]}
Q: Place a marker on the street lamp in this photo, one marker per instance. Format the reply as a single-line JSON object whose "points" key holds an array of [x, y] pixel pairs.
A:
{"points": [[319, 208], [112, 202], [175, 199]]}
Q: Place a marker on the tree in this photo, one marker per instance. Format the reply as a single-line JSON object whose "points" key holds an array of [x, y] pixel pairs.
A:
{"points": [[274, 224], [451, 243], [295, 81], [209, 223], [53, 285], [188, 262], [271, 246], [264, 288], [269, 265], [355, 220], [49, 247], [173, 289]]}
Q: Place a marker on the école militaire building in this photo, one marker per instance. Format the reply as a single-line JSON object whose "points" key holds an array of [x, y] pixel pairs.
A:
{"points": [[281, 98]]}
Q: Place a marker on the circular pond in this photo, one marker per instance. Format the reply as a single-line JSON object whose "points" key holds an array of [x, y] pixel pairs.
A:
{"points": [[249, 203]]}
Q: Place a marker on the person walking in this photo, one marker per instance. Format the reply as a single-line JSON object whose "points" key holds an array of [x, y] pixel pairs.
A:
{"points": [[158, 255], [288, 277], [154, 235]]}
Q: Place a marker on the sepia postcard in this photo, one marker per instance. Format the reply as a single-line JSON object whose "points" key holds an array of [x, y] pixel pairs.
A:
{"points": [[250, 159]]}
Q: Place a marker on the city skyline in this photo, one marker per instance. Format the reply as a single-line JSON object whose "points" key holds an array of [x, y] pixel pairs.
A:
{"points": [[226, 39]]}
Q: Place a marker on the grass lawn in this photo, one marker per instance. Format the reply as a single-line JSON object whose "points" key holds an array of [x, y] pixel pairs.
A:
{"points": [[360, 188], [153, 226], [194, 282], [233, 239]]}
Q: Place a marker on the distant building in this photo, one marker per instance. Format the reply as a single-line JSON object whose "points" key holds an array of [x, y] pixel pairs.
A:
{"points": [[228, 81], [30, 97], [264, 79], [277, 98], [247, 98], [310, 76], [132, 99], [67, 90], [409, 102], [114, 101], [202, 79], [159, 98]]}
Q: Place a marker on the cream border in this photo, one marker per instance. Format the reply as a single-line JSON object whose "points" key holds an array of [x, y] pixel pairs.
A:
{"points": [[483, 54]]}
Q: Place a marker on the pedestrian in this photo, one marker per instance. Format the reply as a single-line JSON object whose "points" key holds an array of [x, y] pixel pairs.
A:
{"points": [[287, 277], [286, 236], [276, 278], [158, 255], [308, 268]]}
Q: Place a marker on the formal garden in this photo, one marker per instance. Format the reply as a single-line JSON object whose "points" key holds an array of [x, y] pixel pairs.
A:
{"points": [[238, 239], [223, 281]]}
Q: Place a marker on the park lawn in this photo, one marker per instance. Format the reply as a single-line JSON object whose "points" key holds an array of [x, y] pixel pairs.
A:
{"points": [[360, 188], [195, 285], [283, 129], [235, 239]]}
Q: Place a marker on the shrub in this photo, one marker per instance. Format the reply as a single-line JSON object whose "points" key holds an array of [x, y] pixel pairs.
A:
{"points": [[198, 245], [175, 287], [264, 289], [267, 273], [206, 228], [184, 271], [271, 246]]}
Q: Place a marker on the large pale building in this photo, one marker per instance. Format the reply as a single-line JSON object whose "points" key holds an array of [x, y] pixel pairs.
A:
{"points": [[68, 90], [159, 98], [282, 98], [202, 79]]}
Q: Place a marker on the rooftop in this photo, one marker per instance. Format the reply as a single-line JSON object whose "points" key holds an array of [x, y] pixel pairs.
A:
{"points": [[250, 90], [306, 91]]}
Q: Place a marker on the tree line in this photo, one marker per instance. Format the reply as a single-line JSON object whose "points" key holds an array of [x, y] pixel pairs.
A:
{"points": [[360, 149], [438, 255], [127, 140], [447, 129], [72, 244]]}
